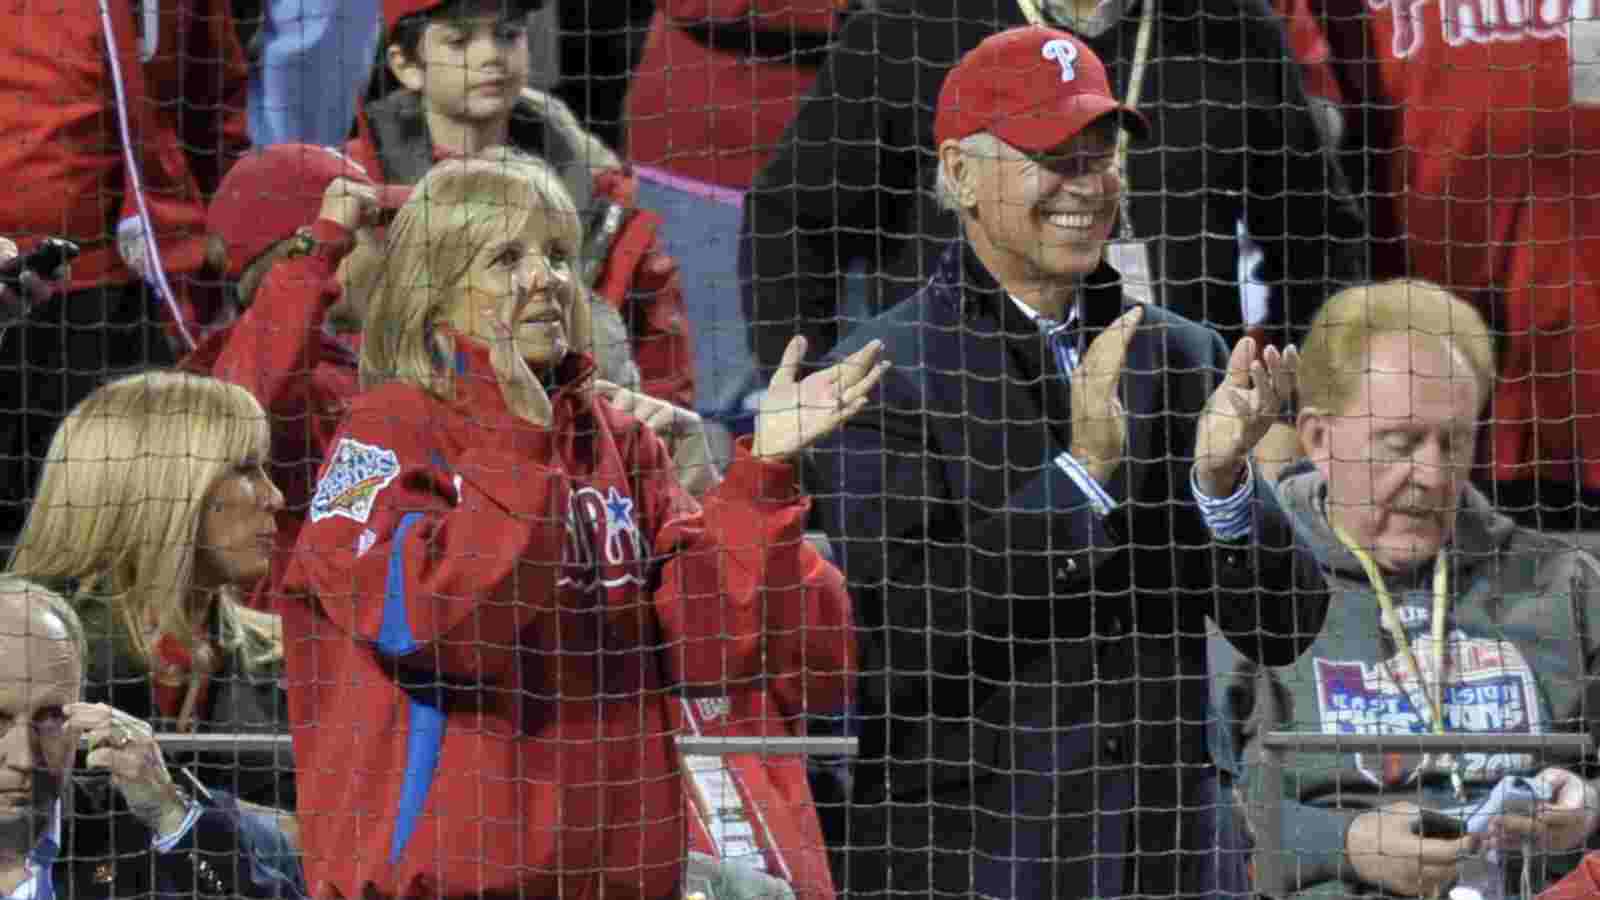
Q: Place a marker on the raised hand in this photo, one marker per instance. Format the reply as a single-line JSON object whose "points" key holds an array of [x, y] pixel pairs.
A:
{"points": [[126, 747], [794, 415], [1099, 423], [1240, 412], [350, 203]]}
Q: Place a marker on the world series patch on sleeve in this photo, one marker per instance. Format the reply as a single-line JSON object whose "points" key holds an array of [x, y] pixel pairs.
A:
{"points": [[356, 475]]}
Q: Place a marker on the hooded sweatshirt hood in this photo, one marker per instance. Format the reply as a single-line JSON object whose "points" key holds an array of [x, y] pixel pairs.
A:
{"points": [[1479, 529]]}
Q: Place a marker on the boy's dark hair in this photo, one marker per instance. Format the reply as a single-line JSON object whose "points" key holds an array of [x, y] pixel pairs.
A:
{"points": [[407, 35]]}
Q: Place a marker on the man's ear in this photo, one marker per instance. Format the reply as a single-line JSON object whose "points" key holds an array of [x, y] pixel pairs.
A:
{"points": [[405, 69], [1316, 433], [958, 168]]}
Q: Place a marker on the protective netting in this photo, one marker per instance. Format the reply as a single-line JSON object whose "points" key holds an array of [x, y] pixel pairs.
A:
{"points": [[416, 450]]}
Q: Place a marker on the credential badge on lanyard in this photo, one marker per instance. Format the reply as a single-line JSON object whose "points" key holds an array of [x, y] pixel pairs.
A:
{"points": [[149, 29], [1131, 258], [1583, 49], [1127, 254]]}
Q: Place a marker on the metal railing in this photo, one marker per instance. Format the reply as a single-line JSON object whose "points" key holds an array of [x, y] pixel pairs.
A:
{"points": [[710, 746]]}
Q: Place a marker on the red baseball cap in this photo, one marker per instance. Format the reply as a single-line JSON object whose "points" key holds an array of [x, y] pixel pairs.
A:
{"points": [[395, 10], [1032, 87], [275, 190]]}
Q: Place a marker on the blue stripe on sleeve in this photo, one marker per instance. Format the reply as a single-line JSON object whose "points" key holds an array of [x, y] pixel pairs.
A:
{"points": [[394, 635], [1229, 518], [1102, 502], [424, 737]]}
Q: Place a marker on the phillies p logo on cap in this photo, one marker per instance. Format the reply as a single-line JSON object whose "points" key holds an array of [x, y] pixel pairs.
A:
{"points": [[1064, 53]]}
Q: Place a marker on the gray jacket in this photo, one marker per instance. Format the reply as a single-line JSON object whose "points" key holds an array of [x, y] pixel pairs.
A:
{"points": [[1520, 631]]}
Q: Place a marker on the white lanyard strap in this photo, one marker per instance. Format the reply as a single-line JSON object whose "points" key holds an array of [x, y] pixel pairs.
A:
{"points": [[136, 183]]}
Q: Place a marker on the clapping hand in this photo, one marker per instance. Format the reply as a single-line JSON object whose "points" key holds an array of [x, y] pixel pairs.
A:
{"points": [[1099, 423], [1240, 412], [796, 414]]}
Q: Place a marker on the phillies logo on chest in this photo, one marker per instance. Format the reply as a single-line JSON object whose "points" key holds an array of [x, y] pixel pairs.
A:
{"points": [[603, 547]]}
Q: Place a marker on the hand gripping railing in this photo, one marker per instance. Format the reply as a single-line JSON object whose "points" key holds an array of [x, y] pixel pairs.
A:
{"points": [[1269, 858]]}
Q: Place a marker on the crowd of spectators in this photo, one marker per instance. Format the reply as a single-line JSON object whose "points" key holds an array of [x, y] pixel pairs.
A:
{"points": [[1116, 382]]}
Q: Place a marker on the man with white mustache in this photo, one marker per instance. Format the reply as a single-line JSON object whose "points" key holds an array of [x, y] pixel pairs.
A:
{"points": [[1048, 498]]}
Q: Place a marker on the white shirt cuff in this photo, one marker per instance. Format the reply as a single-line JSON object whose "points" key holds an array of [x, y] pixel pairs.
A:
{"points": [[1098, 498], [164, 843], [1229, 518]]}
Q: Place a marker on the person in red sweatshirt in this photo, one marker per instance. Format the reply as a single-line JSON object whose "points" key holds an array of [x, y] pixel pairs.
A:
{"points": [[295, 280], [501, 582], [1476, 124], [1582, 883], [719, 81], [754, 816], [459, 70], [184, 81], [297, 224]]}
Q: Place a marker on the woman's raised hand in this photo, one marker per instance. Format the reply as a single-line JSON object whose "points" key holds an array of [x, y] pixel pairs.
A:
{"points": [[796, 414]]}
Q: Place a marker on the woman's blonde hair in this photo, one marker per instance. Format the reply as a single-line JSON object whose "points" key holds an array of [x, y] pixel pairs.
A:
{"points": [[1334, 358], [119, 506], [453, 213]]}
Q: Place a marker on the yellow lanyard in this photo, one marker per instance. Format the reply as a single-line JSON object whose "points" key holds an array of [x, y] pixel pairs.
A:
{"points": [[1433, 706]]}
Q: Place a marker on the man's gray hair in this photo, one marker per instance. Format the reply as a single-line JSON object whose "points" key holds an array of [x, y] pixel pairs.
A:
{"points": [[32, 597], [945, 190]]}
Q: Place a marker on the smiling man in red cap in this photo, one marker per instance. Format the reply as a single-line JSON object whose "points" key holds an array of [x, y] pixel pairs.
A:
{"points": [[298, 222], [1051, 496]]}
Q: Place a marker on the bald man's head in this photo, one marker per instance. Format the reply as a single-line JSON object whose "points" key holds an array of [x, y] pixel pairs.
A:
{"points": [[28, 609], [41, 672]]}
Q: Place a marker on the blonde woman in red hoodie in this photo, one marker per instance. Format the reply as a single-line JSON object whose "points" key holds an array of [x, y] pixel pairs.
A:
{"points": [[502, 585]]}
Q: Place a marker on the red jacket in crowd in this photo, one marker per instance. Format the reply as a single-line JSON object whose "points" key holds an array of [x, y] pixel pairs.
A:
{"points": [[485, 622], [301, 375], [305, 378], [812, 653], [719, 81], [62, 152], [636, 277], [1582, 883], [1478, 120]]}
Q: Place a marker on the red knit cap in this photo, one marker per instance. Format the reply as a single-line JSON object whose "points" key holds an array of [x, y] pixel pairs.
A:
{"points": [[271, 192]]}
